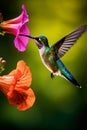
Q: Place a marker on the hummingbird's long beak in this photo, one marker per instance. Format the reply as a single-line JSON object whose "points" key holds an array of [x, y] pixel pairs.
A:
{"points": [[35, 38], [27, 36]]}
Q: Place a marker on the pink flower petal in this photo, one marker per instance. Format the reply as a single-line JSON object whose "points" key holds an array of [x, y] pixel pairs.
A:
{"points": [[15, 27], [21, 42]]}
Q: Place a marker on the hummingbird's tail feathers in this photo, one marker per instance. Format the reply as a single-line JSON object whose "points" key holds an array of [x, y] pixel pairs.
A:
{"points": [[67, 75], [63, 72]]}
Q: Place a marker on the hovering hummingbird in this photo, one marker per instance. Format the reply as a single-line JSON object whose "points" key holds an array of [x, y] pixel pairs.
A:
{"points": [[51, 55]]}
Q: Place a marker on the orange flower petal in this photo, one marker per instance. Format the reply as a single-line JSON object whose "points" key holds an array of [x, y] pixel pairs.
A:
{"points": [[16, 87], [6, 82], [22, 74], [23, 98], [28, 102]]}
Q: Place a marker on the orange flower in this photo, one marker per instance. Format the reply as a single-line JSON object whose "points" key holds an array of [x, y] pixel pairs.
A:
{"points": [[16, 86]]}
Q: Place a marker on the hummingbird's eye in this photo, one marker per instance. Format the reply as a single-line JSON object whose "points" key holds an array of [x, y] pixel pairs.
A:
{"points": [[39, 39]]}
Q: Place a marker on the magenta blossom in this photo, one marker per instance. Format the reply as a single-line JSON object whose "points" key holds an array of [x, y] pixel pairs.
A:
{"points": [[16, 26]]}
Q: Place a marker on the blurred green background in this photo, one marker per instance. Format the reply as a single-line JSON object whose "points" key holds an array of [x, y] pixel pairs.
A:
{"points": [[59, 104]]}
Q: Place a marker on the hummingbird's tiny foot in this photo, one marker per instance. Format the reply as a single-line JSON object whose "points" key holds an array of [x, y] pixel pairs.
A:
{"points": [[80, 86], [52, 76]]}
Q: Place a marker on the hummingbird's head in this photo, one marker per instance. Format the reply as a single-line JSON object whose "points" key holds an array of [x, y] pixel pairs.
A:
{"points": [[41, 41]]}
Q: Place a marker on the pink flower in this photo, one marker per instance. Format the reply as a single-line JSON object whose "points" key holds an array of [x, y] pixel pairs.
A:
{"points": [[16, 26], [16, 87]]}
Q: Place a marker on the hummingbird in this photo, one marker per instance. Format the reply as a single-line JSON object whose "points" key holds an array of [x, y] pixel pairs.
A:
{"points": [[51, 55]]}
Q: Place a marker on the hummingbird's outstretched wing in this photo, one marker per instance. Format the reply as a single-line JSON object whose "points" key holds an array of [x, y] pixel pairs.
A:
{"points": [[62, 46]]}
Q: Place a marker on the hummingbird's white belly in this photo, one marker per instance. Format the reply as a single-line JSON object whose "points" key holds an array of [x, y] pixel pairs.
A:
{"points": [[46, 61], [58, 72], [41, 51], [46, 65]]}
